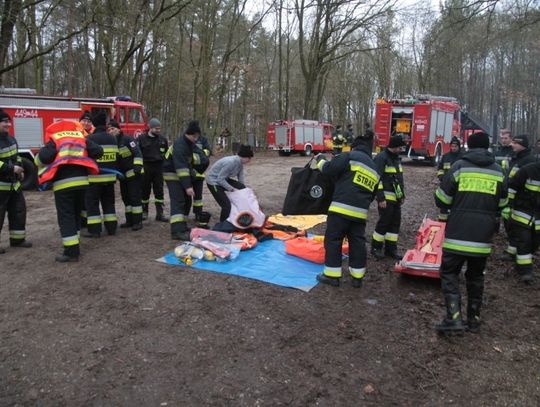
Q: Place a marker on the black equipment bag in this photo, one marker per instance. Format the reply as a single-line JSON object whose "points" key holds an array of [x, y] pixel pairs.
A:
{"points": [[309, 192]]}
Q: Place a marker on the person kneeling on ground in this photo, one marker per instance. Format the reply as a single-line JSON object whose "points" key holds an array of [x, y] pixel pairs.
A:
{"points": [[220, 177]]}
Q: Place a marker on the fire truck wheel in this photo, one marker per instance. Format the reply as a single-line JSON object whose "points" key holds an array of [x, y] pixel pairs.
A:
{"points": [[308, 150], [30, 174]]}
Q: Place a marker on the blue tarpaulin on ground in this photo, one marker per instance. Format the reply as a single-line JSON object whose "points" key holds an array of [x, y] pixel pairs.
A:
{"points": [[267, 262]]}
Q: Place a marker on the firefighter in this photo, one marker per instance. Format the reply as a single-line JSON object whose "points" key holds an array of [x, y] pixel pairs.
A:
{"points": [[130, 164], [522, 155], [200, 165], [86, 121], [349, 134], [220, 177], [153, 147], [88, 128], [11, 196], [65, 161], [475, 191], [444, 166], [356, 184], [338, 140], [525, 217], [101, 189], [390, 197], [178, 171], [504, 152]]}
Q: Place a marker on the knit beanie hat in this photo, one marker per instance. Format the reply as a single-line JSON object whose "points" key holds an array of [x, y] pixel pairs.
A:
{"points": [[455, 141], [522, 139], [154, 123], [396, 141], [478, 140], [4, 116], [99, 119], [85, 115], [193, 128], [245, 151], [360, 142], [113, 123]]}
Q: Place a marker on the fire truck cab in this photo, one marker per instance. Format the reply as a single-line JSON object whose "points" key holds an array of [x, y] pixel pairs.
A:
{"points": [[299, 136], [31, 114], [427, 124]]}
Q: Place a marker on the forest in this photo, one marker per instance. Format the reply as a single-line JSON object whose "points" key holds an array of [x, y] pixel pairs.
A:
{"points": [[241, 64]]}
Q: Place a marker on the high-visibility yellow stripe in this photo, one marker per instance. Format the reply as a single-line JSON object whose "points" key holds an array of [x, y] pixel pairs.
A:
{"points": [[178, 218], [332, 271], [378, 237], [391, 237], [71, 240], [467, 247], [70, 183], [348, 210], [357, 272]]}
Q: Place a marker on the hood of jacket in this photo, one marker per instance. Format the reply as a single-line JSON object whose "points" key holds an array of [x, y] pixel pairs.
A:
{"points": [[479, 156]]}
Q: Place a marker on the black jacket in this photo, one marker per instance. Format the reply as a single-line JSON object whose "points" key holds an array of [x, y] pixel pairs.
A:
{"points": [[203, 151], [446, 162], [178, 164], [475, 191], [153, 149], [392, 188], [356, 183], [9, 157], [129, 155], [525, 187], [109, 159]]}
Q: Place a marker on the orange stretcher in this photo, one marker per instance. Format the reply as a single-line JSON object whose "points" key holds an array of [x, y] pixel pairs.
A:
{"points": [[310, 249], [426, 257]]}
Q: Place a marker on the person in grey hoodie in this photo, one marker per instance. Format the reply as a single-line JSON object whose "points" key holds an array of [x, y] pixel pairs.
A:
{"points": [[220, 177]]}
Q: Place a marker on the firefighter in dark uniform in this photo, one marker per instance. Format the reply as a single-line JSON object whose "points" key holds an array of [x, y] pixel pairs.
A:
{"points": [[178, 172], [101, 189], [444, 165], [65, 161], [153, 147], [356, 184], [88, 128], [11, 196], [390, 196], [200, 165], [525, 217], [475, 191], [522, 156], [130, 164], [338, 140]]}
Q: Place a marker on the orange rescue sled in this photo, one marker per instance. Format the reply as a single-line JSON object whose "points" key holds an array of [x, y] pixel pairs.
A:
{"points": [[425, 259], [310, 249]]}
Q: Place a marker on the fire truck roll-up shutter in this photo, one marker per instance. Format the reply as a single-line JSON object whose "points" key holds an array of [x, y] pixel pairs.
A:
{"points": [[318, 136], [28, 131], [281, 135], [441, 125]]}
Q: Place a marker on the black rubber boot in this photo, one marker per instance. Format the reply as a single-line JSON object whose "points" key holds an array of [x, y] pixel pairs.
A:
{"points": [[453, 323], [357, 282], [184, 236], [527, 277], [473, 315], [129, 222], [25, 244], [333, 281], [64, 258], [393, 254], [202, 219], [377, 253], [159, 214], [136, 226], [145, 211]]}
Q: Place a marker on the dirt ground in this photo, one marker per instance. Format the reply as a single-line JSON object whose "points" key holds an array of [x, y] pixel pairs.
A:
{"points": [[119, 328]]}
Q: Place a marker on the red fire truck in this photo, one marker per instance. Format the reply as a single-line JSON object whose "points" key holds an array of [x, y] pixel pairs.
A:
{"points": [[299, 136], [31, 114], [426, 122]]}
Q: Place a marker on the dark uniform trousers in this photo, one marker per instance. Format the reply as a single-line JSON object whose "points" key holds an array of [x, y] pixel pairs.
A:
{"points": [[104, 193], [526, 241], [152, 179], [218, 192], [198, 185], [387, 228], [68, 210], [338, 227], [451, 268], [130, 189], [179, 202], [14, 204]]}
